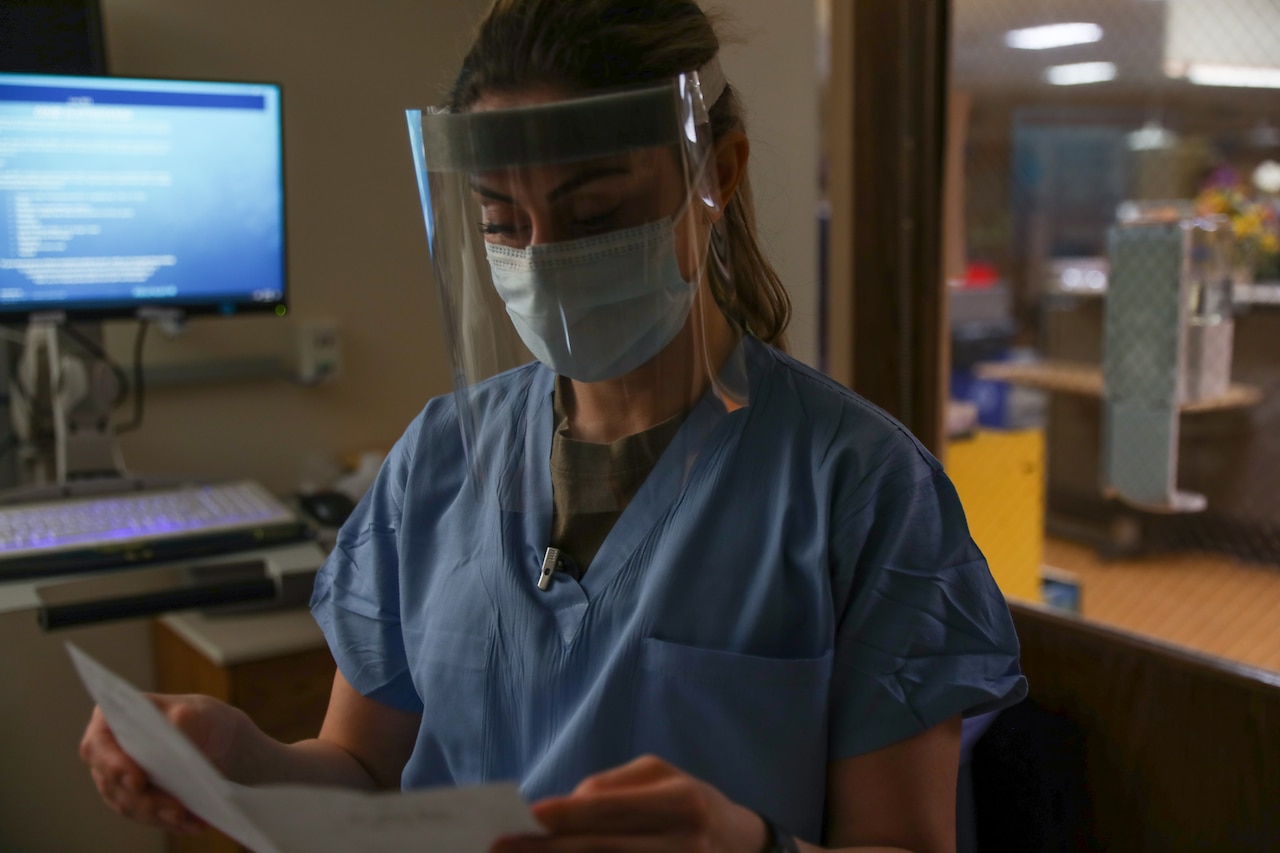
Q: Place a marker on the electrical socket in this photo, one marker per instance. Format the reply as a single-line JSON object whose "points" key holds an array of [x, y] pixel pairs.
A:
{"points": [[319, 351]]}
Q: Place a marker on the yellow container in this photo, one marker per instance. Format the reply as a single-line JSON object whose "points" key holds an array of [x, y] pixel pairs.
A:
{"points": [[1000, 478]]}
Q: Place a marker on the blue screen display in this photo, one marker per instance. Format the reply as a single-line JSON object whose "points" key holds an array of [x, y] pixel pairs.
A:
{"points": [[118, 194]]}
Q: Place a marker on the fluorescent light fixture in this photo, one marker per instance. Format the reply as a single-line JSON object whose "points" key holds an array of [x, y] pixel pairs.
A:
{"points": [[1242, 76], [1080, 73], [1053, 35]]}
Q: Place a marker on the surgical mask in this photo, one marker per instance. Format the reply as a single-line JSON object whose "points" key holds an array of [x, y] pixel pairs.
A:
{"points": [[599, 307]]}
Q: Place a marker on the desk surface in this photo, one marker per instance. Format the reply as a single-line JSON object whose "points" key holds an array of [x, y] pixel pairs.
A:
{"points": [[1205, 602], [230, 640]]}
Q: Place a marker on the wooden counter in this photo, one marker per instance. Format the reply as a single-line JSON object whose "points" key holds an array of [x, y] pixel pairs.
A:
{"points": [[274, 666], [1069, 377]]}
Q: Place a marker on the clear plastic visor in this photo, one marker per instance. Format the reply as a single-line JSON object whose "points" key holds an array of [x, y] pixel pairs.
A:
{"points": [[570, 241]]}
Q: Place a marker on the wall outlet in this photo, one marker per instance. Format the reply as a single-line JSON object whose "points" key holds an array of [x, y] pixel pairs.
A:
{"points": [[319, 351]]}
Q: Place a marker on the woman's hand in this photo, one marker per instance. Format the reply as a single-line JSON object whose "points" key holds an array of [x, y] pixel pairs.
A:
{"points": [[646, 805], [216, 729]]}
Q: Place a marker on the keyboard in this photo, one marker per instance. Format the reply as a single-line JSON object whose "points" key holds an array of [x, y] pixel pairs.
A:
{"points": [[138, 526]]}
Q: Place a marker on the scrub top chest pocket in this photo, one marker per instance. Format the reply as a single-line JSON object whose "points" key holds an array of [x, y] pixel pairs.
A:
{"points": [[726, 717]]}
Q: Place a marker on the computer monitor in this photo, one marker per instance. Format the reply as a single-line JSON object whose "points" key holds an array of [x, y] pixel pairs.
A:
{"points": [[121, 195]]}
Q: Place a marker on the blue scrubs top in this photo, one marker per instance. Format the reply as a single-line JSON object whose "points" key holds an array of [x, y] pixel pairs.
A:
{"points": [[806, 591]]}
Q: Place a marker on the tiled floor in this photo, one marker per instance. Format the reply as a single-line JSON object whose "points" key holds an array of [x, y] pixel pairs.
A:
{"points": [[1209, 603]]}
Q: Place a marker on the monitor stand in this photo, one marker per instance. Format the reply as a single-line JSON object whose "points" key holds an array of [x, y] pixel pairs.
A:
{"points": [[81, 455]]}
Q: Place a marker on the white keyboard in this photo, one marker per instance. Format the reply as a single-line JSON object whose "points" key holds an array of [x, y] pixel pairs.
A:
{"points": [[123, 520]]}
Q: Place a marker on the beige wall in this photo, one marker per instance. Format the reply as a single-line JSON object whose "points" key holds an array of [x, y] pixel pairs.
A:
{"points": [[47, 800], [356, 241], [775, 68]]}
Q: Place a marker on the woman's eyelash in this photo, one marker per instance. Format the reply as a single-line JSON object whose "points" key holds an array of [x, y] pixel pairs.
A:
{"points": [[600, 218], [498, 229]]}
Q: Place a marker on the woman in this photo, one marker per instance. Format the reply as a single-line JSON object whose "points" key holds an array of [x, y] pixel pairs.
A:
{"points": [[689, 593]]}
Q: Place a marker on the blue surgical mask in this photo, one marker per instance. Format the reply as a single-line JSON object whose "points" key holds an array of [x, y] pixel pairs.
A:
{"points": [[599, 307]]}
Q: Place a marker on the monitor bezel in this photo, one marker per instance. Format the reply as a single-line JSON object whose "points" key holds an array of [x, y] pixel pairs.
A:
{"points": [[177, 309]]}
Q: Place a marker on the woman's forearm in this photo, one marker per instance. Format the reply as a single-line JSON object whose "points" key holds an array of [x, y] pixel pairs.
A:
{"points": [[310, 762]]}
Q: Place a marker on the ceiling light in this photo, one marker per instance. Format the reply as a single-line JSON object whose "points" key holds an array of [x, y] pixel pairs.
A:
{"points": [[1267, 177], [1080, 73], [1152, 137], [1053, 35], [1243, 76]]}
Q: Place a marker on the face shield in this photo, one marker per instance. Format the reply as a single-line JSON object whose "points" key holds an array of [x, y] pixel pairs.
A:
{"points": [[576, 234]]}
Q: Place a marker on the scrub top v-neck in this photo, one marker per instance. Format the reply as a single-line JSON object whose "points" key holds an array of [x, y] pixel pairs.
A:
{"points": [[568, 598], [793, 583], [592, 483]]}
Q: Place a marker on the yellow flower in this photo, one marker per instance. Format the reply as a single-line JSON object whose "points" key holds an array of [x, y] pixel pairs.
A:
{"points": [[1270, 243], [1249, 225], [1213, 202]]}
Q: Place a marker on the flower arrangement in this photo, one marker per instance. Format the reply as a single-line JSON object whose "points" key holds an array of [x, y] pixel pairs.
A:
{"points": [[1255, 219]]}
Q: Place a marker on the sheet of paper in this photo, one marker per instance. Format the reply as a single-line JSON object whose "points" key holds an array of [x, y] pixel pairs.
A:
{"points": [[294, 819], [450, 820], [169, 758]]}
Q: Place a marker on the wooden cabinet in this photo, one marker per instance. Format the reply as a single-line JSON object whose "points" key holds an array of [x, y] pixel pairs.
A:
{"points": [[276, 667]]}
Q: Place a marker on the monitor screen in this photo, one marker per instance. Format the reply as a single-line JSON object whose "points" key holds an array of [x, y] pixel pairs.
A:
{"points": [[124, 194]]}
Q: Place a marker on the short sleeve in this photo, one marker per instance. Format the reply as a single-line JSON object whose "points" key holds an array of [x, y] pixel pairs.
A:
{"points": [[356, 600], [922, 631]]}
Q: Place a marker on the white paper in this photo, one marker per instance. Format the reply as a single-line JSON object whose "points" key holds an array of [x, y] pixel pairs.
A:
{"points": [[334, 820], [172, 761], [295, 818]]}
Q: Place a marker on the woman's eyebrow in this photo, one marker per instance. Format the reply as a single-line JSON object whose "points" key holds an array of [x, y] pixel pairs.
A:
{"points": [[585, 177], [481, 190], [576, 182]]}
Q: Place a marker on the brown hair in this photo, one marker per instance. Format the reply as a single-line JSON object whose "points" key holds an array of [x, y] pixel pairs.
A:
{"points": [[580, 45]]}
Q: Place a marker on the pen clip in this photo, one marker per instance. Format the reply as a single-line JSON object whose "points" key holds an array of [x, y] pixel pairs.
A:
{"points": [[550, 563]]}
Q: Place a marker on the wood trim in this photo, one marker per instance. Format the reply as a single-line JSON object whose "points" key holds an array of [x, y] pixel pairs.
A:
{"points": [[955, 238], [838, 139], [1223, 673], [899, 123], [1181, 751]]}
